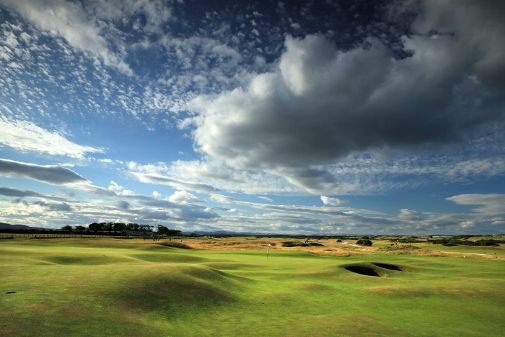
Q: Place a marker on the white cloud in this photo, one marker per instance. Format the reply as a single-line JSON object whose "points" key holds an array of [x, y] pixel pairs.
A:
{"points": [[212, 175], [331, 201], [489, 204], [169, 181], [119, 190], [367, 173], [184, 197], [221, 198], [26, 136]]}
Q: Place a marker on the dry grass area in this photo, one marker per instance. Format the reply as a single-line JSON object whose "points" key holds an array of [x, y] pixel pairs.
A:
{"points": [[343, 248], [346, 247]]}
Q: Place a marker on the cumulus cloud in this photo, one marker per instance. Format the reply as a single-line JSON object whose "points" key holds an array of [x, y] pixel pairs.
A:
{"points": [[26, 136], [50, 174], [119, 190], [69, 20], [322, 104]]}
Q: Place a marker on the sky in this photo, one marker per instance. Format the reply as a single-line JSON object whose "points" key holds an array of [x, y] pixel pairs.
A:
{"points": [[310, 117]]}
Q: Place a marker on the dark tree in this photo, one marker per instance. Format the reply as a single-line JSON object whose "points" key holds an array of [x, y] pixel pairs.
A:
{"points": [[108, 226], [162, 230], [80, 228], [145, 228], [118, 227], [95, 227], [132, 227], [174, 232], [66, 228]]}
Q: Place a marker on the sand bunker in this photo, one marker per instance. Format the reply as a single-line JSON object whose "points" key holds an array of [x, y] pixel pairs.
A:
{"points": [[372, 269], [363, 270]]}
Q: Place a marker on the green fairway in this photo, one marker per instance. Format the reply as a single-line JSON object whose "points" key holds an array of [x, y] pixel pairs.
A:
{"points": [[88, 287]]}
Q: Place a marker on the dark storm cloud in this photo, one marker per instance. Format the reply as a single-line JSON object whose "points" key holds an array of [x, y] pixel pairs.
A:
{"points": [[123, 204], [322, 104], [45, 173], [60, 207]]}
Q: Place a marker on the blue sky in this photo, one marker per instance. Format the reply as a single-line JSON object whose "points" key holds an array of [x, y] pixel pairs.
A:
{"points": [[275, 117]]}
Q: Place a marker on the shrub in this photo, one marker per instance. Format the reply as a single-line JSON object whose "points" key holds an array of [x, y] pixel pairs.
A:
{"points": [[455, 242], [364, 242], [175, 244], [300, 244], [489, 242], [401, 247]]}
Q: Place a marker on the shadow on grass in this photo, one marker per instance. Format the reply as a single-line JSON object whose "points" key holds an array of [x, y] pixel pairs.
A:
{"points": [[169, 258], [85, 259], [176, 291]]}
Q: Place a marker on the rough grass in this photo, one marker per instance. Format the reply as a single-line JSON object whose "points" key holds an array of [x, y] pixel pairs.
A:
{"points": [[136, 288], [175, 244]]}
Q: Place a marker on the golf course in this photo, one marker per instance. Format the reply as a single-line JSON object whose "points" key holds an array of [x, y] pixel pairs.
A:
{"points": [[113, 287]]}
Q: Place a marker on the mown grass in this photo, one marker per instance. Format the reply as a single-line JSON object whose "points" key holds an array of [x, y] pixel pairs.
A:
{"points": [[115, 288]]}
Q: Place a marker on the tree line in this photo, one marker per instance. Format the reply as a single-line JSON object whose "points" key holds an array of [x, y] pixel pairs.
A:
{"points": [[121, 227]]}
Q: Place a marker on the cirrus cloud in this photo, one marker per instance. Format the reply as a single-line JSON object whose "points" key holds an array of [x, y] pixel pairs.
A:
{"points": [[26, 136]]}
